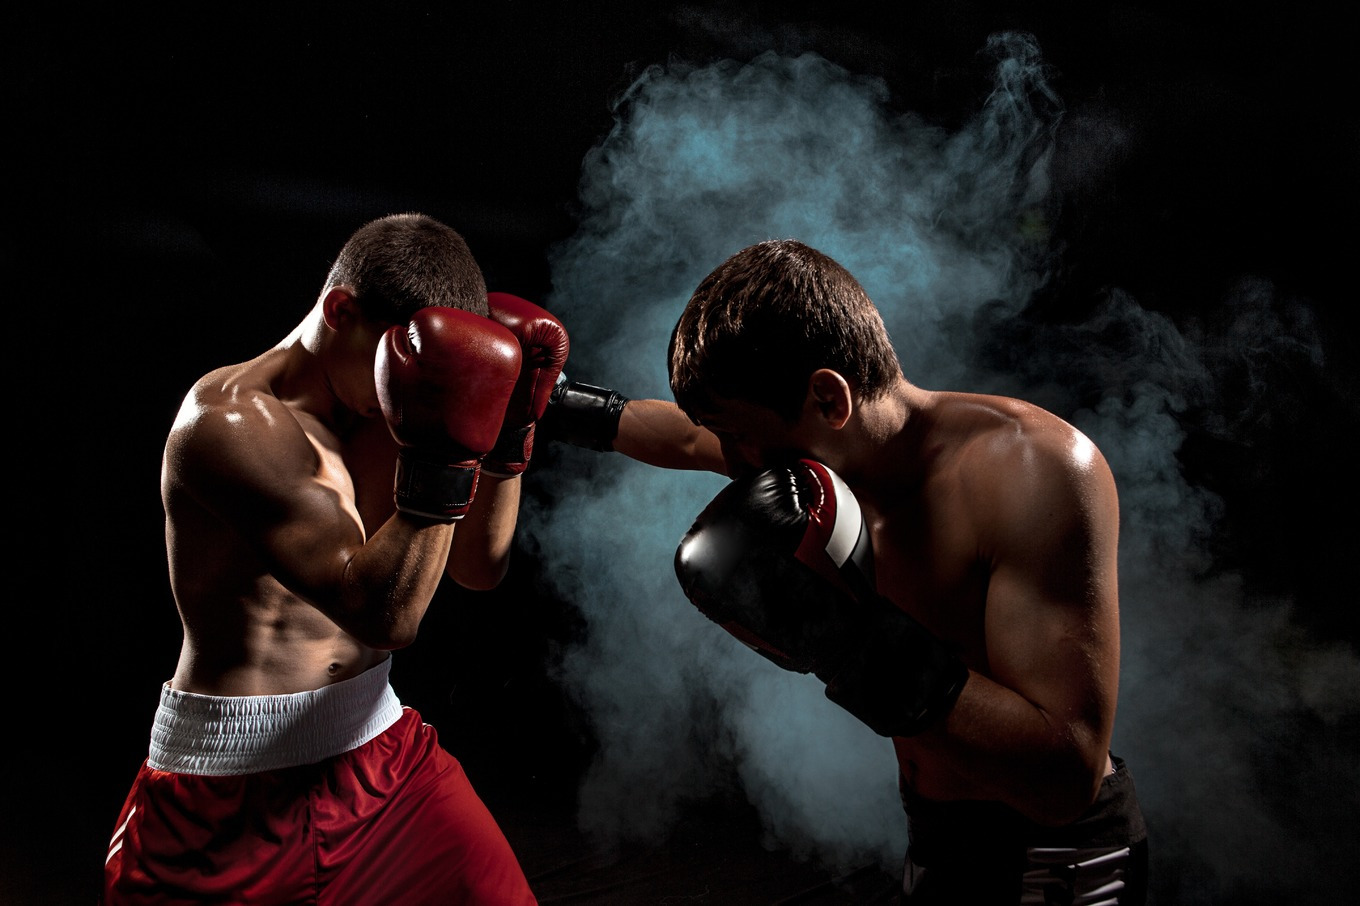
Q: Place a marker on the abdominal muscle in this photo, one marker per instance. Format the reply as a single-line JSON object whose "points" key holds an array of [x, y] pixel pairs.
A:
{"points": [[273, 646], [244, 632]]}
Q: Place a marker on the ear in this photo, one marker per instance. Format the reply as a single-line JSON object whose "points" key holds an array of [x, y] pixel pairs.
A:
{"points": [[830, 395], [338, 306]]}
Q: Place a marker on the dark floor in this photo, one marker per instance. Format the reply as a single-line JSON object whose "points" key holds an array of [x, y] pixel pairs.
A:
{"points": [[712, 857]]}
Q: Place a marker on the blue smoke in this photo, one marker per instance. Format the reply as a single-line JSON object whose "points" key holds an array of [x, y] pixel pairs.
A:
{"points": [[949, 233]]}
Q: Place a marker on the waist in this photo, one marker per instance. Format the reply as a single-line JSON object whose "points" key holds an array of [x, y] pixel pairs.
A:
{"points": [[1114, 818], [218, 735]]}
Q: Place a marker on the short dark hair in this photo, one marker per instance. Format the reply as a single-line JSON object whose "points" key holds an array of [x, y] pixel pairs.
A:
{"points": [[401, 263], [766, 318]]}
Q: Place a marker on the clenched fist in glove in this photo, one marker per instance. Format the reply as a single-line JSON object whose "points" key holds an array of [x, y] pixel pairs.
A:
{"points": [[443, 382], [782, 561], [544, 346]]}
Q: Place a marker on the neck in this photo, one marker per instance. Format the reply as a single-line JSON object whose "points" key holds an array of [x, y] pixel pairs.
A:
{"points": [[307, 333], [301, 380], [888, 442]]}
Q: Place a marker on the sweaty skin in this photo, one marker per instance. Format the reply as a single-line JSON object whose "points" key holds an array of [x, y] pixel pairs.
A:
{"points": [[995, 524], [290, 567]]}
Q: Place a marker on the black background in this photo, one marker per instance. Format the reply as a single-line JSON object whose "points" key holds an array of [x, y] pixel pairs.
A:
{"points": [[180, 177]]}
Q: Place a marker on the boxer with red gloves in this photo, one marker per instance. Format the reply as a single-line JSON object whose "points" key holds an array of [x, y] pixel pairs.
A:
{"points": [[282, 767], [782, 560], [544, 346]]}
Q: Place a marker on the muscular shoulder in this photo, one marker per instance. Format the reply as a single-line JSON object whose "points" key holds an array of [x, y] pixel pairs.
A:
{"points": [[1021, 469], [231, 431]]}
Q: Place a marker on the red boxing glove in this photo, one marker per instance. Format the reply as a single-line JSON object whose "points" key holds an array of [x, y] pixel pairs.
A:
{"points": [[443, 383], [544, 346]]}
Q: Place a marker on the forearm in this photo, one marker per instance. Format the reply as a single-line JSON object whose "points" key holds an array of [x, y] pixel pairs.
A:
{"points": [[651, 431], [658, 433], [995, 744], [482, 540], [389, 582]]}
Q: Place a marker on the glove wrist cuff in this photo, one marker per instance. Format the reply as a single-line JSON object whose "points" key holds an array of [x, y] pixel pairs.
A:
{"points": [[428, 485], [510, 456], [584, 415]]}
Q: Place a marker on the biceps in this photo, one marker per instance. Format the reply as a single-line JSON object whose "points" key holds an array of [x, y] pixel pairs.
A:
{"points": [[274, 487], [1056, 647], [308, 538], [303, 530]]}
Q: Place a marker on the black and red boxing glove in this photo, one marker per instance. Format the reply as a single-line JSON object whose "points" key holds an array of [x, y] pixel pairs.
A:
{"points": [[782, 560], [444, 381], [544, 345]]}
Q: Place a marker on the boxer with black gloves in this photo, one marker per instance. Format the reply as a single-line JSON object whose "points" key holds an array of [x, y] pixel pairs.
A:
{"points": [[782, 560], [282, 766], [986, 643]]}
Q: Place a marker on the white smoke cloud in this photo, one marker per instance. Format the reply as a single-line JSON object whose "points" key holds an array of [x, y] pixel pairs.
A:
{"points": [[948, 232]]}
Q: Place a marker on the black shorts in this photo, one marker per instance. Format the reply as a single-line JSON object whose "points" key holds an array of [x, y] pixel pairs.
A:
{"points": [[987, 853]]}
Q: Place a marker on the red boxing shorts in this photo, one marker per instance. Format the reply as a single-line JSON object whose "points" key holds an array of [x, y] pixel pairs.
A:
{"points": [[333, 797]]}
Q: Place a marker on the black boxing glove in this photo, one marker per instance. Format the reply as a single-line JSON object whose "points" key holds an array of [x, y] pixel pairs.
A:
{"points": [[782, 561], [582, 415]]}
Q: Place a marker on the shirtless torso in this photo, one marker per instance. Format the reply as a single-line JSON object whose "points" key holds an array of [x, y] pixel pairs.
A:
{"points": [[1003, 542], [282, 766], [280, 528], [245, 632], [994, 524]]}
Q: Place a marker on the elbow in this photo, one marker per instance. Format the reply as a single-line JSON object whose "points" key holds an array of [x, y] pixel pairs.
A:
{"points": [[477, 583], [1067, 779], [482, 578], [479, 562], [384, 632], [1069, 797]]}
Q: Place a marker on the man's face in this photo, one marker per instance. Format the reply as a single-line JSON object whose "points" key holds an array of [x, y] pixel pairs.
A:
{"points": [[754, 437], [352, 351], [361, 345]]}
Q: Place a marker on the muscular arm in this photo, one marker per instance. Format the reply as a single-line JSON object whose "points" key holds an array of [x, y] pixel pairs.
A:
{"points": [[658, 433], [284, 490], [651, 431], [482, 542], [1035, 730]]}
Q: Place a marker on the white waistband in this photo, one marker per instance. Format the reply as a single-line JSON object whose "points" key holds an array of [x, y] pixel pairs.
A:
{"points": [[218, 735]]}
